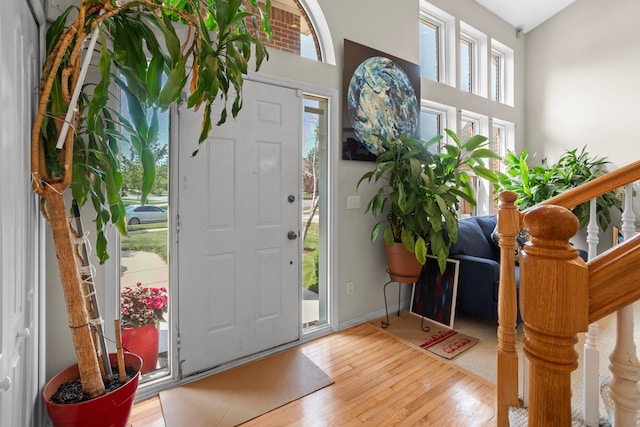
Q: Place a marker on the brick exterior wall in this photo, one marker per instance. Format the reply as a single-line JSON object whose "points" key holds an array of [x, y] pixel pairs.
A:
{"points": [[286, 30]]}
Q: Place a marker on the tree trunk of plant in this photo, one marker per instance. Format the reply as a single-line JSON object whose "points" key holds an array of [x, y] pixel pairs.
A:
{"points": [[56, 213], [314, 208]]}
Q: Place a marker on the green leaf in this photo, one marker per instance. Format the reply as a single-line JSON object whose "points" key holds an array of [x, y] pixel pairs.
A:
{"points": [[378, 203], [366, 176], [407, 239], [137, 114], [402, 201], [171, 39], [474, 142], [484, 153], [388, 237], [176, 80], [421, 250], [154, 75], [485, 173], [154, 128], [149, 171], [206, 124], [454, 136], [376, 231], [57, 28], [101, 247]]}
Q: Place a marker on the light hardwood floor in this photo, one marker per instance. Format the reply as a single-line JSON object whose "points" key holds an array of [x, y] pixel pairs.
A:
{"points": [[379, 380]]}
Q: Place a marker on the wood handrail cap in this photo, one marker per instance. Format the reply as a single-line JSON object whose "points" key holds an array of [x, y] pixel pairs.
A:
{"points": [[507, 196], [551, 222]]}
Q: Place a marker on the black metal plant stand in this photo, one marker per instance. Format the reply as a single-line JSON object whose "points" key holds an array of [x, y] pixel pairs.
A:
{"points": [[385, 324]]}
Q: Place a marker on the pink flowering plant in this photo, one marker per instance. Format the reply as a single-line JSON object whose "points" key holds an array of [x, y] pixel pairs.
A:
{"points": [[141, 305]]}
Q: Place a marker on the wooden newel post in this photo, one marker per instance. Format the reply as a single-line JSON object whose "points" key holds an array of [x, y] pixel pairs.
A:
{"points": [[554, 306], [507, 356]]}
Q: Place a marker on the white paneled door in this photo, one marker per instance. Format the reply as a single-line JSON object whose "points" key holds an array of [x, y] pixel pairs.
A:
{"points": [[19, 215], [238, 219]]}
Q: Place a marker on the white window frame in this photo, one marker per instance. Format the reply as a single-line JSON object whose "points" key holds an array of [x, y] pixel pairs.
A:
{"points": [[499, 78], [446, 25], [321, 28], [446, 113], [506, 89], [479, 58], [484, 189], [480, 121], [508, 131]]}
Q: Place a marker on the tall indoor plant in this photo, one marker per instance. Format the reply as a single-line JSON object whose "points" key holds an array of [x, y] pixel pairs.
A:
{"points": [[140, 54], [421, 191], [536, 183]]}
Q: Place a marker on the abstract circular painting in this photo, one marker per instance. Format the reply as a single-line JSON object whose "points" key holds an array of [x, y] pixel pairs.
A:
{"points": [[381, 100]]}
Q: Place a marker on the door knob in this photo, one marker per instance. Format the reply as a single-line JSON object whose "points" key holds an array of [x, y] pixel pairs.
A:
{"points": [[292, 235], [291, 198], [5, 384]]}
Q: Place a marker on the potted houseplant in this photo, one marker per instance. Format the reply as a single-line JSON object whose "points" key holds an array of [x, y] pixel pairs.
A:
{"points": [[536, 183], [143, 308], [421, 192], [149, 51]]}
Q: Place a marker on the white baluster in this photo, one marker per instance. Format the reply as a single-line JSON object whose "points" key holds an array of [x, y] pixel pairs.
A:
{"points": [[628, 216], [593, 229], [625, 368], [624, 363], [591, 374], [591, 366]]}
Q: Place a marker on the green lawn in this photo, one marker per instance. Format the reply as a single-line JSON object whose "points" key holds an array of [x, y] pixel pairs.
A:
{"points": [[310, 259], [152, 241]]}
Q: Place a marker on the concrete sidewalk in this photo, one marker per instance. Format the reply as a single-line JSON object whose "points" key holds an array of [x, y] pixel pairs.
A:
{"points": [[144, 267]]}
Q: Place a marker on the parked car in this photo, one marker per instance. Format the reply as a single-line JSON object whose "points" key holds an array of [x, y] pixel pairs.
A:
{"points": [[141, 214]]}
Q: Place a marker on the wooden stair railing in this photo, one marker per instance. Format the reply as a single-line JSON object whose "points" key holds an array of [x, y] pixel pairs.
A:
{"points": [[560, 295]]}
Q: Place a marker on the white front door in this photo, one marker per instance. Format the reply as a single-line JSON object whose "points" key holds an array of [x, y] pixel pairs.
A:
{"points": [[18, 217], [238, 220]]}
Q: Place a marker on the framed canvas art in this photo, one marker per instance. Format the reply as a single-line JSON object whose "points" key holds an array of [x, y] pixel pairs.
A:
{"points": [[381, 96], [434, 294]]}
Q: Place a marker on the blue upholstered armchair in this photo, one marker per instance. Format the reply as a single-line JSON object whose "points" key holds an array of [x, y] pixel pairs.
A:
{"points": [[479, 272]]}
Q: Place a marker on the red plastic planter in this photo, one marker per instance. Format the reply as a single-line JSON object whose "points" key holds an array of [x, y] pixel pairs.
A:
{"points": [[109, 410], [143, 341]]}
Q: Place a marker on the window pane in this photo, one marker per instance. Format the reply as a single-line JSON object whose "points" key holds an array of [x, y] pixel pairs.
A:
{"points": [[495, 77], [314, 281], [144, 252], [429, 50], [429, 127], [496, 145], [465, 65], [467, 131], [308, 46]]}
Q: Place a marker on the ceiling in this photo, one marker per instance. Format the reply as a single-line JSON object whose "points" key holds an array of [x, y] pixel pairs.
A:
{"points": [[525, 14]]}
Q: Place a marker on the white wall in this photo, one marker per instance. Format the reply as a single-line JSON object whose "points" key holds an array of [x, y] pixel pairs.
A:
{"points": [[582, 86], [582, 82], [390, 27]]}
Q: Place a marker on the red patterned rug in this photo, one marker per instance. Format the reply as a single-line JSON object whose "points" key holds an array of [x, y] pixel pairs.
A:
{"points": [[439, 340], [447, 343]]}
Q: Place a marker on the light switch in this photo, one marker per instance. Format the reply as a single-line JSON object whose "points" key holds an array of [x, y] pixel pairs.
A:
{"points": [[353, 202]]}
